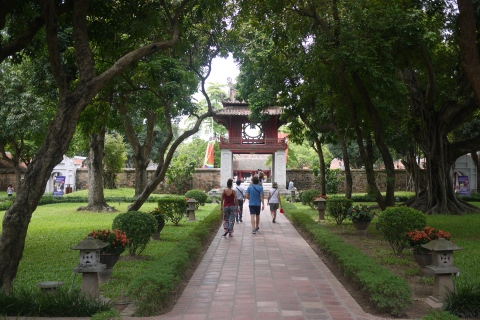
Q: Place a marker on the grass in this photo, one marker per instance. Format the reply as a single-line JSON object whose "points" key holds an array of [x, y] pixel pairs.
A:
{"points": [[55, 228], [464, 230]]}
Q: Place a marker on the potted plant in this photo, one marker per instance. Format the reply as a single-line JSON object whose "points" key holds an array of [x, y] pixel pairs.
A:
{"points": [[160, 217], [416, 238], [117, 241], [361, 217]]}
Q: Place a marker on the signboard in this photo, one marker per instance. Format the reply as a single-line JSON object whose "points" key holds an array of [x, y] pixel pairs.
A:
{"points": [[463, 186], [59, 186]]}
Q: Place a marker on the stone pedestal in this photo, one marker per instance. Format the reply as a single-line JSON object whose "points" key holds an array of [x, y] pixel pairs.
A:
{"points": [[90, 284]]}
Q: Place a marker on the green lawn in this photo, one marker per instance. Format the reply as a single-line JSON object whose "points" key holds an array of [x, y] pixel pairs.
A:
{"points": [[464, 231], [57, 227]]}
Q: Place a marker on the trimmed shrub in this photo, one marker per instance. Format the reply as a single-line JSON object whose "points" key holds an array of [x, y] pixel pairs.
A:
{"points": [[388, 292], [198, 195], [338, 208], [152, 290], [139, 227], [465, 302], [174, 208], [395, 222], [309, 195]]}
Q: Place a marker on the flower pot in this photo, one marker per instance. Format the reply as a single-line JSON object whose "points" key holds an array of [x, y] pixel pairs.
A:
{"points": [[109, 259], [361, 227], [423, 259], [161, 224]]}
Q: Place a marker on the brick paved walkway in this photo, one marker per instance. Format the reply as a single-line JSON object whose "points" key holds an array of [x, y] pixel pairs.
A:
{"points": [[273, 274]]}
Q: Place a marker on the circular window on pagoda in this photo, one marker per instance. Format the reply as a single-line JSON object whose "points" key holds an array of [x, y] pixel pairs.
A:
{"points": [[253, 131]]}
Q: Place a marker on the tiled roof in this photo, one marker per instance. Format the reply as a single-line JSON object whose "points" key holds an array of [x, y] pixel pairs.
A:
{"points": [[245, 111]]}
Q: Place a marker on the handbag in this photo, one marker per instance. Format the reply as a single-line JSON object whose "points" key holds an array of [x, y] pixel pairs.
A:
{"points": [[281, 210]]}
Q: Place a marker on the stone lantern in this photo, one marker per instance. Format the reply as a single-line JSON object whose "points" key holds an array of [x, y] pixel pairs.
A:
{"points": [[191, 208], [214, 196], [321, 204], [292, 193], [89, 265], [442, 267]]}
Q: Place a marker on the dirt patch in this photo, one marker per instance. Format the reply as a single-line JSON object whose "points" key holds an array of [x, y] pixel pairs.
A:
{"points": [[375, 247]]}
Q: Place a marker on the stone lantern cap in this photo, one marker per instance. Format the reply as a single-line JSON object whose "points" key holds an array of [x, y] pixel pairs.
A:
{"points": [[319, 199], [191, 200], [90, 243], [441, 244]]}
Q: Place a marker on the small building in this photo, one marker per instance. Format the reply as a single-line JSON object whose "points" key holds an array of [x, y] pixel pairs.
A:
{"points": [[67, 169], [465, 175]]}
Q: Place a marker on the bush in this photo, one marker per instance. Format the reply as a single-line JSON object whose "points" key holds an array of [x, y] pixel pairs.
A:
{"points": [[395, 222], [465, 302], [388, 292], [116, 239], [153, 290], [338, 208], [309, 195], [440, 315], [174, 208], [139, 227], [61, 304], [198, 195]]}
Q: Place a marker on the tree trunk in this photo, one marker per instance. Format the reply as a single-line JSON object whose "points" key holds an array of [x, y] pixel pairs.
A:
{"points": [[141, 180], [96, 198], [323, 184], [439, 196], [61, 129]]}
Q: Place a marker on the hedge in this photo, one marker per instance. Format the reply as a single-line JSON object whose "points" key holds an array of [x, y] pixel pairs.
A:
{"points": [[387, 292]]}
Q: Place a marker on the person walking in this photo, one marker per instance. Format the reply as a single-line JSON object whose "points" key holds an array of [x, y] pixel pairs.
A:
{"points": [[290, 185], [274, 201], [229, 207], [255, 196], [240, 195]]}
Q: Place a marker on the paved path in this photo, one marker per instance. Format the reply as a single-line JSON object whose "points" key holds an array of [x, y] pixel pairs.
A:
{"points": [[273, 274]]}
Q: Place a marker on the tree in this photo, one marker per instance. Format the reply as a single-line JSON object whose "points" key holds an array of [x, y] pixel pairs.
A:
{"points": [[24, 114], [114, 159], [76, 89]]}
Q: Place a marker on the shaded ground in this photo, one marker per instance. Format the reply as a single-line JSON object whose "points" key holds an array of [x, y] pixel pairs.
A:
{"points": [[403, 266]]}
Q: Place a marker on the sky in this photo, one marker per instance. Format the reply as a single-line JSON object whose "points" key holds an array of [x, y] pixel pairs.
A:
{"points": [[221, 70]]}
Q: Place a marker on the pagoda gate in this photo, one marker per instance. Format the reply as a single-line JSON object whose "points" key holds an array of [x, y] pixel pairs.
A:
{"points": [[245, 137]]}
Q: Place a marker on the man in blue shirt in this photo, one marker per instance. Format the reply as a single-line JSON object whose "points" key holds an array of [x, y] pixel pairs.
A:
{"points": [[255, 196]]}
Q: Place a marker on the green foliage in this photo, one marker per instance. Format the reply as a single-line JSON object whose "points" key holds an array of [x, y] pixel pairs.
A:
{"points": [[440, 315], [180, 172], [332, 179], [309, 195], [114, 159], [139, 227], [464, 302], [360, 213], [153, 289], [61, 304], [386, 291], [395, 222], [199, 195], [174, 208], [111, 314], [338, 208]]}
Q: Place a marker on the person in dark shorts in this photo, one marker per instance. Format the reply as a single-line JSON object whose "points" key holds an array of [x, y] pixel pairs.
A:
{"points": [[256, 202]]}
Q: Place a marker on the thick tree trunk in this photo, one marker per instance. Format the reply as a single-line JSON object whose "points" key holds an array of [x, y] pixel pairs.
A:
{"points": [[96, 198], [60, 132], [141, 180]]}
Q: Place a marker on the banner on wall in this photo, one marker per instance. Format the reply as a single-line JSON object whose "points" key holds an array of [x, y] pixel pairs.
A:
{"points": [[209, 154], [463, 186], [59, 186]]}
